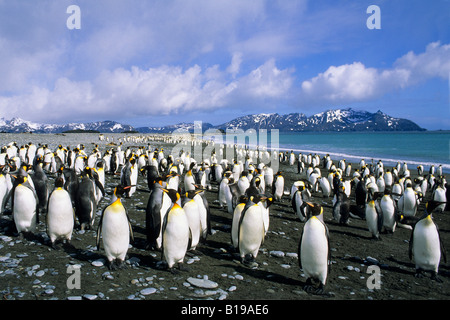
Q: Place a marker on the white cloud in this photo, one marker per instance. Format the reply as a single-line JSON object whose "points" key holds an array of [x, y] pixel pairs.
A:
{"points": [[355, 82], [165, 90]]}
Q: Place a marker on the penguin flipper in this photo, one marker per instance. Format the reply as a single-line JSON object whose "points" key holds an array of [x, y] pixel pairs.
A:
{"points": [[299, 249], [130, 227], [411, 244], [99, 230]]}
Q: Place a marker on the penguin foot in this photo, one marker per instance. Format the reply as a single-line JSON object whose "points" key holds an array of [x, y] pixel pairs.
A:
{"points": [[419, 273], [435, 277], [249, 261], [183, 267]]}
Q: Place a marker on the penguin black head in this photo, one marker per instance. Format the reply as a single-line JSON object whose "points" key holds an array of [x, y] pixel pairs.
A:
{"points": [[315, 208], [59, 182], [120, 190], [173, 194], [431, 205]]}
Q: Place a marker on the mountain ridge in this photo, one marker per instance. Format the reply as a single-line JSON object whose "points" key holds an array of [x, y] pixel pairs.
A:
{"points": [[332, 120]]}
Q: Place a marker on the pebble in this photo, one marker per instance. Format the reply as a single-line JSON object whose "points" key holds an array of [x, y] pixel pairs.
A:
{"points": [[90, 296], [292, 255], [276, 253], [232, 288], [202, 283], [40, 273], [147, 291], [372, 260], [74, 298], [98, 263]]}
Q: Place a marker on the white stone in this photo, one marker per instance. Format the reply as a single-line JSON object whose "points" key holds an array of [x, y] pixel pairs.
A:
{"points": [[148, 291], [202, 283]]}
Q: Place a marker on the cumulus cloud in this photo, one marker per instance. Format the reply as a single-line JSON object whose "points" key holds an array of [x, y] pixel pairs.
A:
{"points": [[355, 82], [164, 90]]}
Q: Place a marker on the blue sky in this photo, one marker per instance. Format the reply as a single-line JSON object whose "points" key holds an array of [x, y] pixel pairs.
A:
{"points": [[152, 63]]}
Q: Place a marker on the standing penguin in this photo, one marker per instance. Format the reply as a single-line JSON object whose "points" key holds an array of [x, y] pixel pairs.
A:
{"points": [[297, 201], [426, 245], [374, 216], [60, 214], [176, 233], [408, 202], [40, 182], [314, 250], [157, 206], [251, 231], [25, 204], [116, 231], [388, 209], [341, 208], [85, 201], [191, 209], [235, 221], [278, 186]]}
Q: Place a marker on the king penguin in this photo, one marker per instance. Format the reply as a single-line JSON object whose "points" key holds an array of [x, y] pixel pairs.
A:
{"points": [[60, 214], [235, 221], [314, 250], [278, 186], [408, 202], [251, 231], [374, 216], [389, 211], [191, 209], [40, 182], [115, 229], [85, 201], [425, 244], [25, 204], [176, 233], [157, 207]]}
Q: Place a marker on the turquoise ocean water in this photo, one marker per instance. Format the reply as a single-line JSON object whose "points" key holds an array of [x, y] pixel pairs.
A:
{"points": [[415, 148], [426, 148]]}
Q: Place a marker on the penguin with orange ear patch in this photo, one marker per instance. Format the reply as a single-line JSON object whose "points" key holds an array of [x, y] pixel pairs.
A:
{"points": [[314, 250], [116, 231], [176, 233]]}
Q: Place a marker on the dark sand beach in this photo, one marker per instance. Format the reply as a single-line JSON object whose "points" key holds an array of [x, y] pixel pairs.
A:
{"points": [[32, 270]]}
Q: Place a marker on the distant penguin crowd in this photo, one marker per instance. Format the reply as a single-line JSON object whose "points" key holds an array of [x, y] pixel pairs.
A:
{"points": [[178, 214]]}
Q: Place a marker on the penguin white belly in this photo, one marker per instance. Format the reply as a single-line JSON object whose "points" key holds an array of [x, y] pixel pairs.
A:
{"points": [[298, 203], [235, 224], [409, 203], [3, 192], [388, 210], [439, 196], [372, 219], [176, 237], [24, 209], [166, 203], [115, 234], [314, 250], [279, 188], [251, 232], [60, 220], [426, 246], [265, 216], [203, 215], [133, 178], [193, 217]]}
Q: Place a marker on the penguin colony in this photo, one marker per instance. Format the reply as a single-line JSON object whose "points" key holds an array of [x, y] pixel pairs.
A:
{"points": [[178, 215]]}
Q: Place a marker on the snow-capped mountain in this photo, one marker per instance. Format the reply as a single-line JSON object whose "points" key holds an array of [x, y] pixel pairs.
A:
{"points": [[17, 125], [331, 120]]}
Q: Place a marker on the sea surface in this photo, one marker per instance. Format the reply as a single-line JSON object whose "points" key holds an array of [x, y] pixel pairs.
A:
{"points": [[426, 148]]}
